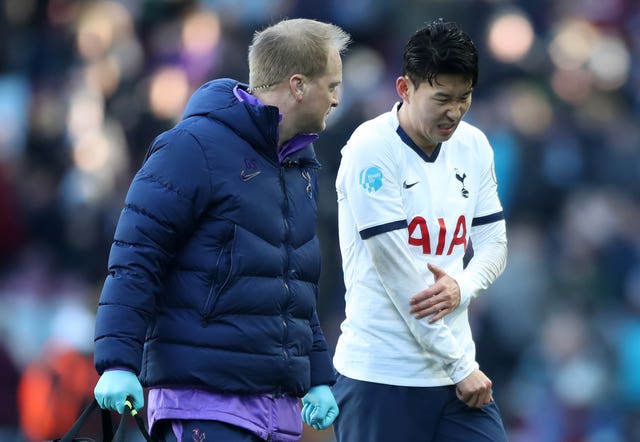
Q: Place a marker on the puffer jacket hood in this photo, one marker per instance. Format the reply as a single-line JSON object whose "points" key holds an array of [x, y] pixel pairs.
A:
{"points": [[256, 124]]}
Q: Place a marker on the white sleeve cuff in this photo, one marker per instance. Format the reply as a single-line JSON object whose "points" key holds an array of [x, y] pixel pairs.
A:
{"points": [[462, 368]]}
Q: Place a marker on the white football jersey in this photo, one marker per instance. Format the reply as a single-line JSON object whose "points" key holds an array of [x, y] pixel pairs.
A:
{"points": [[385, 182]]}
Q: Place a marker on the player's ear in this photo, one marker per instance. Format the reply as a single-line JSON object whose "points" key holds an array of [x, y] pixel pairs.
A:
{"points": [[403, 85]]}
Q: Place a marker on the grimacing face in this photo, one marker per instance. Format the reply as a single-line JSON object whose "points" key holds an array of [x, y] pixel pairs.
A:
{"points": [[321, 95], [432, 112]]}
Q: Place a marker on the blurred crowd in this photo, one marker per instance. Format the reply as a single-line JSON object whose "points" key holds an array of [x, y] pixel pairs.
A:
{"points": [[85, 85]]}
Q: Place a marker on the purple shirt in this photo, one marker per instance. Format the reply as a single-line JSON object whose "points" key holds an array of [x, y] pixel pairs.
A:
{"points": [[262, 414], [289, 147]]}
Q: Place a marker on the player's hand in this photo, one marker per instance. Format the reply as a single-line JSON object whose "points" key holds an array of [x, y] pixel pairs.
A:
{"points": [[475, 389], [114, 387], [439, 300], [319, 407]]}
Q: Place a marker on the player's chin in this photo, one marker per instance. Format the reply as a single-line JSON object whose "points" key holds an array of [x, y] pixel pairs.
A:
{"points": [[319, 127]]}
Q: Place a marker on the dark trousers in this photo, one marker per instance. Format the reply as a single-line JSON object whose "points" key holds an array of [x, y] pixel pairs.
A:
{"points": [[203, 431], [372, 412]]}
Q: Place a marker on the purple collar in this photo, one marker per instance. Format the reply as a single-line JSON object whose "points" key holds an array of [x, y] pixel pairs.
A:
{"points": [[290, 147]]}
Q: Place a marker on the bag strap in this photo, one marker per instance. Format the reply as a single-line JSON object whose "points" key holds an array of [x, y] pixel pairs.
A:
{"points": [[107, 428], [107, 425], [130, 411]]}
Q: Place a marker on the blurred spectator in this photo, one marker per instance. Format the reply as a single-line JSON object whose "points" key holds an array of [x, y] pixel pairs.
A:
{"points": [[57, 385], [8, 395]]}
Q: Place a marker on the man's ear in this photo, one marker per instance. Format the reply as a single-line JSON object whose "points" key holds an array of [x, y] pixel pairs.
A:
{"points": [[296, 85]]}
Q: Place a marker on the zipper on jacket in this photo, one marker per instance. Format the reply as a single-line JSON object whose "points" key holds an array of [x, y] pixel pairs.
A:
{"points": [[285, 276], [212, 298], [309, 188]]}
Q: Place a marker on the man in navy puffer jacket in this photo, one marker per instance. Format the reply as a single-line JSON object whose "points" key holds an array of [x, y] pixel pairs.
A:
{"points": [[210, 299]]}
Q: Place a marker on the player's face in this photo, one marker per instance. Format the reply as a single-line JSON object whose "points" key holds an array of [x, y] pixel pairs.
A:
{"points": [[433, 112], [320, 95]]}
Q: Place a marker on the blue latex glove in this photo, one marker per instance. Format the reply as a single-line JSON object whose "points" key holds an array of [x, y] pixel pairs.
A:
{"points": [[319, 407], [115, 386]]}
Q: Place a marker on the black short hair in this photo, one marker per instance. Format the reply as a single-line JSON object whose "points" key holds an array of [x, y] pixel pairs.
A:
{"points": [[440, 47]]}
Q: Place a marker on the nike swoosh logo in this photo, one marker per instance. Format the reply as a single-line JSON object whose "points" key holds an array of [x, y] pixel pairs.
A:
{"points": [[244, 176], [408, 186]]}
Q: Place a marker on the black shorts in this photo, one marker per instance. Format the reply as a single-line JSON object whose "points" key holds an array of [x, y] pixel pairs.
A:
{"points": [[371, 412], [200, 431]]}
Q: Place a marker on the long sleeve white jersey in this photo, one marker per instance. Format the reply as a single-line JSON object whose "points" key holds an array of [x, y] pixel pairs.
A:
{"points": [[398, 210]]}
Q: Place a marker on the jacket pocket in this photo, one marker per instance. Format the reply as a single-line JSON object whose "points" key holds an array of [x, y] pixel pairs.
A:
{"points": [[221, 275]]}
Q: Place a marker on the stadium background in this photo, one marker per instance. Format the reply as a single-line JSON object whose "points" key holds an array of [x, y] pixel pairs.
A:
{"points": [[86, 85]]}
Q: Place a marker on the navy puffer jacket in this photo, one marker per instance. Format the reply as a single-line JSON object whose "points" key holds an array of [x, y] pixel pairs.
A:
{"points": [[215, 261]]}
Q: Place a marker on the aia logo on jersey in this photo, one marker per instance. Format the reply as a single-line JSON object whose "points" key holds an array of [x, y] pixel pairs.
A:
{"points": [[419, 235], [461, 178], [371, 179]]}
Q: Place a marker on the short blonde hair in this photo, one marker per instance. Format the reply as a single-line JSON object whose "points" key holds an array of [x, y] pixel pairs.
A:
{"points": [[293, 46]]}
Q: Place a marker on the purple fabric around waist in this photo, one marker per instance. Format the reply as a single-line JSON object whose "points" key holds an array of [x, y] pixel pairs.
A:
{"points": [[263, 415]]}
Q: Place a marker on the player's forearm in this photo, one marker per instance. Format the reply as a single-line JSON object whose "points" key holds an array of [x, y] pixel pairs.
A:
{"points": [[401, 279], [488, 262]]}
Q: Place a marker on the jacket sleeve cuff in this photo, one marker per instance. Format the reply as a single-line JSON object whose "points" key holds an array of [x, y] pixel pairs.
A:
{"points": [[322, 371]]}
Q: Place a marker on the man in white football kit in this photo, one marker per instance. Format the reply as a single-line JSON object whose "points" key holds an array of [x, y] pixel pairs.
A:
{"points": [[415, 185]]}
